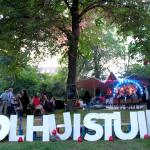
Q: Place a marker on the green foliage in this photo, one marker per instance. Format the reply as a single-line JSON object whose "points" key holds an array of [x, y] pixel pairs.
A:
{"points": [[28, 79], [25, 26], [135, 23], [32, 26], [35, 83], [54, 85], [140, 70], [3, 84], [98, 45]]}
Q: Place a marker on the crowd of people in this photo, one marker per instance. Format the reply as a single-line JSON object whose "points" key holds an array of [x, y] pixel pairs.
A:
{"points": [[128, 92], [43, 104], [20, 103]]}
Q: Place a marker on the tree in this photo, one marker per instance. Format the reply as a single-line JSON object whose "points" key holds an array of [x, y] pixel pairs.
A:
{"points": [[34, 82], [36, 24], [29, 79], [54, 85], [139, 70], [98, 46]]}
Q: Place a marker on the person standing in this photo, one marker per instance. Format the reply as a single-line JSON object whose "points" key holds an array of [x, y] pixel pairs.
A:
{"points": [[37, 104], [87, 97], [148, 95], [11, 98], [18, 105], [52, 101], [24, 100], [4, 102]]}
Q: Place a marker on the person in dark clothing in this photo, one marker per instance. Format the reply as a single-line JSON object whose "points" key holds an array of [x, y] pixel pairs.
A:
{"points": [[144, 96], [25, 101], [86, 98], [48, 105], [148, 98], [18, 105]]}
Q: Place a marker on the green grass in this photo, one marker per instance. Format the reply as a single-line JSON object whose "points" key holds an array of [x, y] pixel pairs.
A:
{"points": [[59, 116], [136, 144]]}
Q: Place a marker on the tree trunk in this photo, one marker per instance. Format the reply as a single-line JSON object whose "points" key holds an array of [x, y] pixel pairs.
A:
{"points": [[96, 62], [73, 44], [73, 47]]}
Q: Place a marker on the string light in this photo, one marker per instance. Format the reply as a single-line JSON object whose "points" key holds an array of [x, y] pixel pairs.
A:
{"points": [[125, 82]]}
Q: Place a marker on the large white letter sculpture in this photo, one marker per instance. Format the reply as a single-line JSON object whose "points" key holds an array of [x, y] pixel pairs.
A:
{"points": [[13, 129], [67, 126], [148, 121], [142, 124], [108, 124], [134, 126], [139, 122], [88, 123], [76, 126], [4, 126], [31, 128]]}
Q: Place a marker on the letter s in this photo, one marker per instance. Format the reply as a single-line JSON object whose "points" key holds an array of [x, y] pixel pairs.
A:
{"points": [[92, 125]]}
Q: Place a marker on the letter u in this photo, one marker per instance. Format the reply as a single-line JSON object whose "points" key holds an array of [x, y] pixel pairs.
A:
{"points": [[134, 126]]}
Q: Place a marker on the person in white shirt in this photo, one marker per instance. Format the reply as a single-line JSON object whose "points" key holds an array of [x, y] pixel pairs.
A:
{"points": [[11, 101], [4, 102]]}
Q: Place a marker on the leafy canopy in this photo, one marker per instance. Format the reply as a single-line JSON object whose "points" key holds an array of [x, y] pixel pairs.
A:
{"points": [[32, 26]]}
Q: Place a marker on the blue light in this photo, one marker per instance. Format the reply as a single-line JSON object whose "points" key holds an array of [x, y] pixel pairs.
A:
{"points": [[124, 82]]}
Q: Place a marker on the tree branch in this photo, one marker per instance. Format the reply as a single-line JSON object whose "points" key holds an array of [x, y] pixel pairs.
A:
{"points": [[67, 4], [62, 29], [90, 7], [104, 4]]}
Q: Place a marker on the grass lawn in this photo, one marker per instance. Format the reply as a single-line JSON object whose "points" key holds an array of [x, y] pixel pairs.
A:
{"points": [[136, 144]]}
